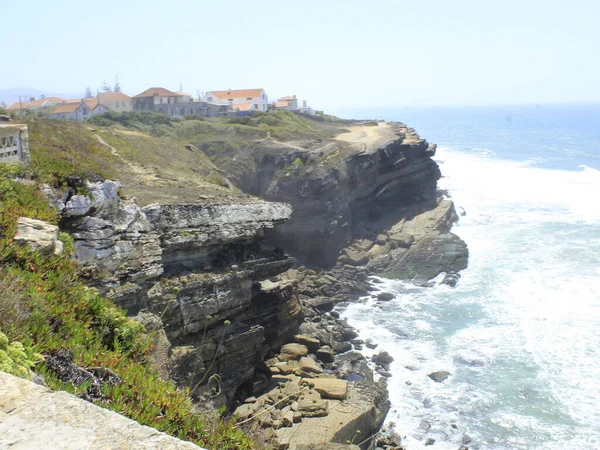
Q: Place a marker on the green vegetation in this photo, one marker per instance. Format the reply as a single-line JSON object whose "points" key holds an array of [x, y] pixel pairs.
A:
{"points": [[17, 359], [144, 121], [45, 307]]}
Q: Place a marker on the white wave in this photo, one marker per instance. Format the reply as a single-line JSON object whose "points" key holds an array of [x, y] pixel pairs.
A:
{"points": [[520, 332]]}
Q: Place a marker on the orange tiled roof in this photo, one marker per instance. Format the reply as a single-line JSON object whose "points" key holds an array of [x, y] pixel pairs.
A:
{"points": [[66, 108], [288, 97], [161, 92], [78, 100], [243, 107], [282, 104], [16, 106], [92, 103], [238, 93], [115, 96]]}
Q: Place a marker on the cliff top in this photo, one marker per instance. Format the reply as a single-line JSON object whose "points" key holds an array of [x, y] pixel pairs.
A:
{"points": [[154, 169]]}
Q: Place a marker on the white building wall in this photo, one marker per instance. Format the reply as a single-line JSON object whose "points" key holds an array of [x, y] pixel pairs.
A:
{"points": [[261, 101]]}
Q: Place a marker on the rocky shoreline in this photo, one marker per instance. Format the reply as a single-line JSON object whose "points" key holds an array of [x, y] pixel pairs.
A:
{"points": [[251, 327]]}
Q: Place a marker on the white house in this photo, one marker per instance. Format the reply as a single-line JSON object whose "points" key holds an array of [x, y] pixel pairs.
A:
{"points": [[78, 111], [257, 98]]}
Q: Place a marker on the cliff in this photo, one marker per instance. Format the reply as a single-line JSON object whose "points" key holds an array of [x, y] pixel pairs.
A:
{"points": [[227, 260], [194, 266]]}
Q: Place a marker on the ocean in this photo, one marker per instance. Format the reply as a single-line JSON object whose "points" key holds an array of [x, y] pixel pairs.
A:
{"points": [[520, 333]]}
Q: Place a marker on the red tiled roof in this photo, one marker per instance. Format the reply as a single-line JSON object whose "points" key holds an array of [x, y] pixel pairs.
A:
{"points": [[161, 92], [238, 93]]}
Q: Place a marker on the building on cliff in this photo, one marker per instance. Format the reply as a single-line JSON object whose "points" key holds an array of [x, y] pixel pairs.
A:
{"points": [[290, 103], [115, 101], [175, 104], [34, 104], [243, 100], [78, 111]]}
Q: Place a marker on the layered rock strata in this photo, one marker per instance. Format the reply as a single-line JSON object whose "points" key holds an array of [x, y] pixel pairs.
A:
{"points": [[202, 269]]}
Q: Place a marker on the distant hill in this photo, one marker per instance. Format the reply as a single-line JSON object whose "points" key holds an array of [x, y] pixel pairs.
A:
{"points": [[12, 95]]}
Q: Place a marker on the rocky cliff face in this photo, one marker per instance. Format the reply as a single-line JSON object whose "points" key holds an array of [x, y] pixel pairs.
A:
{"points": [[353, 194], [201, 268], [331, 209]]}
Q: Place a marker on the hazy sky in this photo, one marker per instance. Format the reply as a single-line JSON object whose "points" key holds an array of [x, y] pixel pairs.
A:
{"points": [[333, 53]]}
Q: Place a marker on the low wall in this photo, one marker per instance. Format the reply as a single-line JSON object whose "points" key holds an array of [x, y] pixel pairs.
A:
{"points": [[14, 143]]}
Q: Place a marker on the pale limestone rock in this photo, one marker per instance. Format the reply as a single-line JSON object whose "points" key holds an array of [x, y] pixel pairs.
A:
{"points": [[309, 365], [294, 350], [33, 417], [329, 387], [40, 235]]}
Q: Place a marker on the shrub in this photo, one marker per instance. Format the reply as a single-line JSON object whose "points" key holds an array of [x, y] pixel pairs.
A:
{"points": [[17, 359]]}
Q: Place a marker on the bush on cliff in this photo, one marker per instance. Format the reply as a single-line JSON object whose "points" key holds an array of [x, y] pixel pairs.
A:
{"points": [[48, 308]]}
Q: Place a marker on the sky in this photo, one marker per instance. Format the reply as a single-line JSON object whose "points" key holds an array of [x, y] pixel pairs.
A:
{"points": [[332, 53]]}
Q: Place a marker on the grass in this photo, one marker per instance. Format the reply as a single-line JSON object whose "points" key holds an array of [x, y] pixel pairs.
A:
{"points": [[49, 308]]}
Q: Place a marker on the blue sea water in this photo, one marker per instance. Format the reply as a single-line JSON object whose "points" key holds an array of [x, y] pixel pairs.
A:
{"points": [[520, 333]]}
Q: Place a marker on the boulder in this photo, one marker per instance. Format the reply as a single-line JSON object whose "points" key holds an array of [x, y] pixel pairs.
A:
{"points": [[382, 239], [40, 235], [329, 387], [439, 376], [311, 342], [311, 405], [295, 351], [354, 258], [325, 354], [383, 358], [385, 296], [309, 365], [403, 240]]}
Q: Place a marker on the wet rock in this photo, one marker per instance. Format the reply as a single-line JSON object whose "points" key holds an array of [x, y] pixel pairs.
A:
{"points": [[466, 439], [398, 331], [451, 279], [342, 347], [430, 441], [424, 425], [385, 296], [370, 344], [383, 358], [439, 376]]}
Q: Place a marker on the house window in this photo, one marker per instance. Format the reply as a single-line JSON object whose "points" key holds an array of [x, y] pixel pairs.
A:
{"points": [[123, 104], [117, 104], [248, 98], [209, 99], [256, 106], [230, 100]]}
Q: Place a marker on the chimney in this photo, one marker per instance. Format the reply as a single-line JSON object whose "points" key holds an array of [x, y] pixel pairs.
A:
{"points": [[294, 95], [304, 103], [228, 91]]}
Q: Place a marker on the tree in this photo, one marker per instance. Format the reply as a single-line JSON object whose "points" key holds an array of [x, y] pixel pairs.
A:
{"points": [[117, 85], [88, 92], [105, 86]]}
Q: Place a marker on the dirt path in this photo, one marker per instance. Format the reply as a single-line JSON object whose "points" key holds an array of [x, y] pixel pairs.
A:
{"points": [[146, 174], [369, 136]]}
